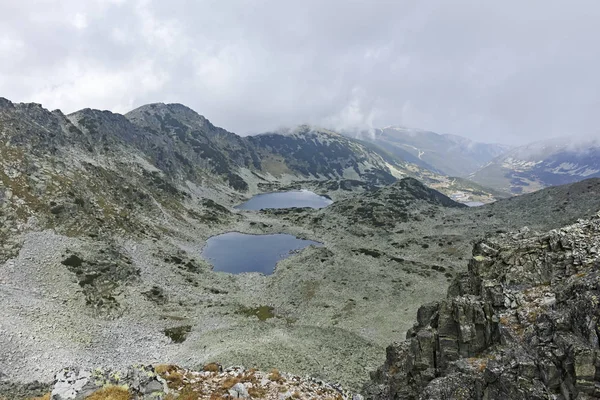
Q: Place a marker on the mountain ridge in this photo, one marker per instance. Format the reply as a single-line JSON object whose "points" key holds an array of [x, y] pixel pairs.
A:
{"points": [[541, 164], [515, 326], [102, 228], [448, 154]]}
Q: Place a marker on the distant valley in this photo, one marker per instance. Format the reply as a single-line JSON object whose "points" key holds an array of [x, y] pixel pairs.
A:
{"points": [[528, 168], [446, 154], [509, 170]]}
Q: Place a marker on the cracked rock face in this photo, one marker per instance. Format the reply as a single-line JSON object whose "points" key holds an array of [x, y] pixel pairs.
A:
{"points": [[522, 323]]}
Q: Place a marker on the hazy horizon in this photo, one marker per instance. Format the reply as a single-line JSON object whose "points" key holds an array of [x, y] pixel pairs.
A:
{"points": [[508, 72]]}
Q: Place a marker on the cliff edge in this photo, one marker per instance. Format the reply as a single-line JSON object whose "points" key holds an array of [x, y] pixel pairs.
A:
{"points": [[522, 323]]}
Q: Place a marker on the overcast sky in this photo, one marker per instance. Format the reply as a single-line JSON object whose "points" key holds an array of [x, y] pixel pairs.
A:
{"points": [[507, 71]]}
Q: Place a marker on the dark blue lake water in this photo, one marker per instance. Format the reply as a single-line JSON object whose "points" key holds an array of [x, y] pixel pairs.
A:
{"points": [[295, 198], [237, 253]]}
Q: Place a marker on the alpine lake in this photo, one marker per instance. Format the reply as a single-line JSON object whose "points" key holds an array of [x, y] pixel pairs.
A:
{"points": [[236, 253]]}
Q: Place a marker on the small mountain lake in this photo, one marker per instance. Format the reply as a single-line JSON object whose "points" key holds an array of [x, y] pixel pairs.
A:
{"points": [[237, 253], [294, 198], [474, 203]]}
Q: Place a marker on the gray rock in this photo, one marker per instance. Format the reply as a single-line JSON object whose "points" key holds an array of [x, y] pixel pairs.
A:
{"points": [[69, 383], [239, 391], [523, 324], [75, 384]]}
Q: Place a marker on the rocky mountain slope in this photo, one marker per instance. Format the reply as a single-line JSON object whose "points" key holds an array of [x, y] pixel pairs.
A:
{"points": [[85, 173], [554, 162], [103, 218], [176, 140], [522, 323], [327, 312], [324, 154], [449, 155]]}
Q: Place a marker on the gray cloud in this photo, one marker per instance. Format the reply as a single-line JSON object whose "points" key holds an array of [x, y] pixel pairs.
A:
{"points": [[509, 71]]}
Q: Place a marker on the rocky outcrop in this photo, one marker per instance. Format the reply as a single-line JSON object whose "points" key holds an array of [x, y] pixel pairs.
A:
{"points": [[164, 382], [138, 381], [522, 323], [403, 201]]}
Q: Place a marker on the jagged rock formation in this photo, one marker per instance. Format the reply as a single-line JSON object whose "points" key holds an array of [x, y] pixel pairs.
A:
{"points": [[522, 323]]}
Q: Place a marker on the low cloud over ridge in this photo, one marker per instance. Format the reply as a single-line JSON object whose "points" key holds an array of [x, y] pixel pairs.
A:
{"points": [[509, 71]]}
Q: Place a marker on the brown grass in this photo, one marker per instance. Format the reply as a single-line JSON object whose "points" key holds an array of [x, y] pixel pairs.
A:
{"points": [[170, 373], [44, 397], [229, 383], [111, 393], [257, 392], [188, 393], [533, 315], [482, 367], [216, 396], [212, 367], [165, 368], [275, 376]]}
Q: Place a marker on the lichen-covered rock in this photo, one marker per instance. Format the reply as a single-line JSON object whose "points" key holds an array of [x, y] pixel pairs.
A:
{"points": [[523, 323], [212, 382], [140, 380]]}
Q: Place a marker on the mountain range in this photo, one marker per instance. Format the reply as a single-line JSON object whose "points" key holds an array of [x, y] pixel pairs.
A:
{"points": [[446, 154], [103, 218], [553, 162], [508, 169]]}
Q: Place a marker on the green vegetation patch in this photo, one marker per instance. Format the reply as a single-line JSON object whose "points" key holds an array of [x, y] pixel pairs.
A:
{"points": [[369, 252], [263, 313], [178, 334]]}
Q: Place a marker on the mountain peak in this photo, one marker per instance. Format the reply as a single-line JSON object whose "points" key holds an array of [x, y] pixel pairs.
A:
{"points": [[165, 107], [169, 117], [5, 103], [93, 111], [98, 120], [304, 129]]}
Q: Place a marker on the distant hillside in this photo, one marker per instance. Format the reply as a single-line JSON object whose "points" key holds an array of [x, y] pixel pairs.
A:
{"points": [[529, 168], [445, 154], [324, 154], [402, 201]]}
